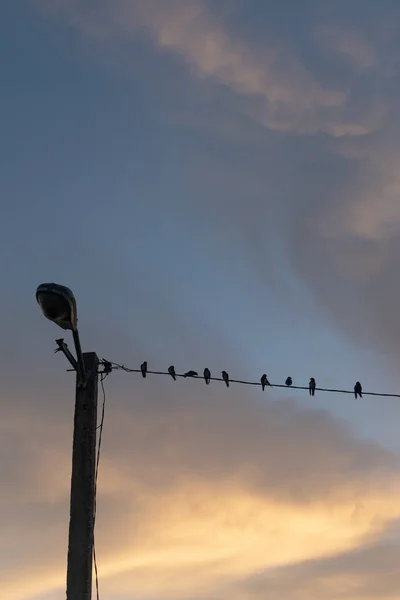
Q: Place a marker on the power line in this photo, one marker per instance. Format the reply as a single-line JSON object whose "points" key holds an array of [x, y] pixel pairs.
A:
{"points": [[118, 367]]}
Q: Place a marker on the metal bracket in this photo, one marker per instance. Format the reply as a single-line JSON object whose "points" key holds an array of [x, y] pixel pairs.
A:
{"points": [[83, 377]]}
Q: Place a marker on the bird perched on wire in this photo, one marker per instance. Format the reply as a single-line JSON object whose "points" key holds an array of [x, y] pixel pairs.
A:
{"points": [[171, 371], [264, 381], [358, 390], [207, 375], [289, 381], [191, 374], [311, 387], [143, 368], [225, 377]]}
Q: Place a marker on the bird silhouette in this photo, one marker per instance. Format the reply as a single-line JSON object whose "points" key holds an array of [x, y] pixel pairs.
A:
{"points": [[207, 375], [289, 381], [358, 390], [225, 377], [191, 374], [171, 371], [311, 387], [61, 340], [264, 381], [143, 368]]}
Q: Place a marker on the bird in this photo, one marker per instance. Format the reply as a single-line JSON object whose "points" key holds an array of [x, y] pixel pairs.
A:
{"points": [[311, 387], [358, 390], [143, 368], [207, 375], [60, 341], [289, 381], [264, 381], [225, 377], [171, 371], [191, 374]]}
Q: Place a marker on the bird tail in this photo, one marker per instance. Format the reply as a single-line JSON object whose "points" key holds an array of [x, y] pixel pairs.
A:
{"points": [[360, 395]]}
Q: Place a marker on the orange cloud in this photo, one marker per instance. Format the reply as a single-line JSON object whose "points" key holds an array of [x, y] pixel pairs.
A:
{"points": [[195, 495]]}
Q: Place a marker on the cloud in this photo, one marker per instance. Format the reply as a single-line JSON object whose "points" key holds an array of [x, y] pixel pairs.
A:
{"points": [[349, 43], [362, 574], [202, 492], [372, 210], [34, 474], [275, 87], [346, 243]]}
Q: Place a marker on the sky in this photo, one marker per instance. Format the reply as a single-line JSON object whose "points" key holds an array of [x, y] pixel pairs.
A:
{"points": [[218, 184]]}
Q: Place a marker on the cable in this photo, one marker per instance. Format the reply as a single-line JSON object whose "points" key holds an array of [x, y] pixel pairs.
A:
{"points": [[116, 366], [102, 378]]}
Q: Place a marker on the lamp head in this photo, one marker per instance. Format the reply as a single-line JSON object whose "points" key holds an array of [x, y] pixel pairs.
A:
{"points": [[58, 304]]}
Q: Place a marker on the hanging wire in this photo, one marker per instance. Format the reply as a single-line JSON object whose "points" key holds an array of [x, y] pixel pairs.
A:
{"points": [[100, 427]]}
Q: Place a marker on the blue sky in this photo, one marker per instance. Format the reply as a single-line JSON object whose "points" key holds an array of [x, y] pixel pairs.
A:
{"points": [[218, 184]]}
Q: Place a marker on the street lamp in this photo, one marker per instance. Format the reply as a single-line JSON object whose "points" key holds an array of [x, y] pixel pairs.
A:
{"points": [[58, 304]]}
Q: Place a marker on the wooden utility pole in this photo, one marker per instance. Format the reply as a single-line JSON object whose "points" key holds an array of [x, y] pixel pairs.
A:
{"points": [[82, 503]]}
